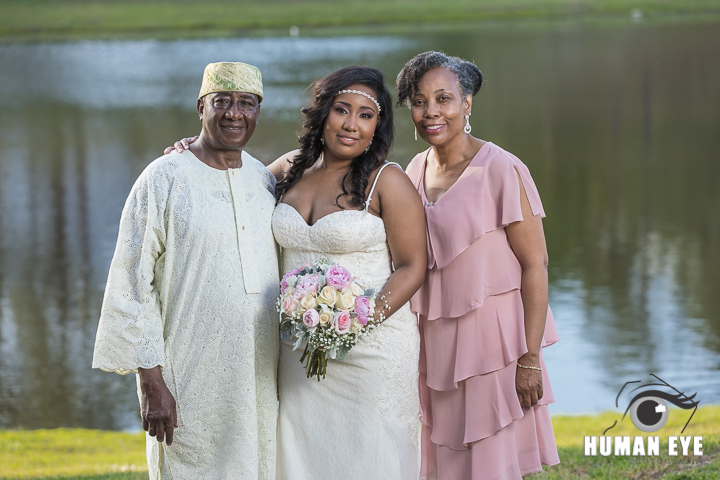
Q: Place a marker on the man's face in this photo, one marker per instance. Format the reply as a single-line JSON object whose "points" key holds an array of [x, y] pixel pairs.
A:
{"points": [[228, 118]]}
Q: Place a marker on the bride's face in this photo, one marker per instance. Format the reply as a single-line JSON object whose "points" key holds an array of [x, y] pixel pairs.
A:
{"points": [[351, 123]]}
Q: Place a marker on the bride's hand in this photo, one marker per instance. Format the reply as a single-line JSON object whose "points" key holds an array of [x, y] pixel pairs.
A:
{"points": [[181, 145]]}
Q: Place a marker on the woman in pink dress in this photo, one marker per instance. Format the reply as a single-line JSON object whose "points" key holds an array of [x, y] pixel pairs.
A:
{"points": [[483, 308]]}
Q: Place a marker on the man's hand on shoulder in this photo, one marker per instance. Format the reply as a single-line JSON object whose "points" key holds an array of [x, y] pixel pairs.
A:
{"points": [[159, 415]]}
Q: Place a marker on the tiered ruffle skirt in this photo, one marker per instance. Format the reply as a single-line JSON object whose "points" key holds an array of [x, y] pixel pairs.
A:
{"points": [[473, 426]]}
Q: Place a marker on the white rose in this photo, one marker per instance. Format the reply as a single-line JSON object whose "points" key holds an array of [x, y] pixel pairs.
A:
{"points": [[356, 289], [346, 300], [326, 315], [308, 301], [355, 327], [328, 295]]}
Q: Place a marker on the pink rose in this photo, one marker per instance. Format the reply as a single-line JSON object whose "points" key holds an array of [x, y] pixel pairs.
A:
{"points": [[362, 319], [362, 306], [292, 272], [283, 282], [307, 284], [289, 305], [338, 277], [342, 322], [311, 318]]}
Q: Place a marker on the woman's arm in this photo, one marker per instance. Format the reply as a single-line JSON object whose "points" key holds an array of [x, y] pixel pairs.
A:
{"points": [[528, 242], [400, 207], [280, 167]]}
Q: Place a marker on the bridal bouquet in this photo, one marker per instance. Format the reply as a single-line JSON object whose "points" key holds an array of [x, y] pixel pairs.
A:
{"points": [[327, 308]]}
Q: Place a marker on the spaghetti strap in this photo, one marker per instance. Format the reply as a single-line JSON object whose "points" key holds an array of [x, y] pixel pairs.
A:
{"points": [[372, 189]]}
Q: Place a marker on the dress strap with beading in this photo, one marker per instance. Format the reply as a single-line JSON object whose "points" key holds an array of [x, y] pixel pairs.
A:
{"points": [[372, 189]]}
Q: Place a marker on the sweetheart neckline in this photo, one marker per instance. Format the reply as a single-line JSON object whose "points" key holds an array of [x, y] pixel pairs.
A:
{"points": [[325, 216]]}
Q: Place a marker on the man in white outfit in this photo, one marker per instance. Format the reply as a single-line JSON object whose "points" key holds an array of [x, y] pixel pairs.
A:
{"points": [[190, 299]]}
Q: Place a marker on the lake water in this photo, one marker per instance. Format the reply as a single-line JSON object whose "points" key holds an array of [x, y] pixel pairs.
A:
{"points": [[619, 125]]}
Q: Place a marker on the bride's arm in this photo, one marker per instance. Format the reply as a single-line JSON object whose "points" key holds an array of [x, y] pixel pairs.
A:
{"points": [[401, 210], [280, 167], [181, 145]]}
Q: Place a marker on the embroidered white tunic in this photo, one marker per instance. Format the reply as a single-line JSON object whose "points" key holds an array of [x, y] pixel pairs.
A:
{"points": [[192, 288]]}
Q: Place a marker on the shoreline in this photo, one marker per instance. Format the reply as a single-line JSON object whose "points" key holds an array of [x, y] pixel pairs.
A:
{"points": [[47, 20], [523, 25]]}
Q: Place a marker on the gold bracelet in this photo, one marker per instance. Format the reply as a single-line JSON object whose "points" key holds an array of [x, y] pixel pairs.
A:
{"points": [[530, 368]]}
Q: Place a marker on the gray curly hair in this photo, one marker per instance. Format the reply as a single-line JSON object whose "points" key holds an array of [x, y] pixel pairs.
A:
{"points": [[468, 74]]}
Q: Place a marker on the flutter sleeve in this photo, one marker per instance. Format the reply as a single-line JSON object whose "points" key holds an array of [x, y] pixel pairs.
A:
{"points": [[130, 333], [469, 256]]}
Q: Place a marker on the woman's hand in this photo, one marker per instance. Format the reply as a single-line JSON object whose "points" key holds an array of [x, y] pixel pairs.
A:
{"points": [[528, 381], [181, 145]]}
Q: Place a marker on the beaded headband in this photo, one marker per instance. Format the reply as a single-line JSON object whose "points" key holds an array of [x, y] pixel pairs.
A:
{"points": [[363, 94]]}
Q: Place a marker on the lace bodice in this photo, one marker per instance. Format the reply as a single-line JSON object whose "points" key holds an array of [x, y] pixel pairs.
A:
{"points": [[354, 238]]}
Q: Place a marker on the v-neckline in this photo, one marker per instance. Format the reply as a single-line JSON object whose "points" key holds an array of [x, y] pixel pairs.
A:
{"points": [[424, 167]]}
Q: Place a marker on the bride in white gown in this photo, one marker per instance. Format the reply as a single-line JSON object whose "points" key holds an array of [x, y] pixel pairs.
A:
{"points": [[340, 199]]}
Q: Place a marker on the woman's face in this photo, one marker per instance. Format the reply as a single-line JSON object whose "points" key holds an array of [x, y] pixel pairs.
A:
{"points": [[351, 123], [438, 108]]}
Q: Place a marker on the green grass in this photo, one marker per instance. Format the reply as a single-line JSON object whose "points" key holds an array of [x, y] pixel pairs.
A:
{"points": [[65, 454], [102, 476], [72, 453], [102, 18]]}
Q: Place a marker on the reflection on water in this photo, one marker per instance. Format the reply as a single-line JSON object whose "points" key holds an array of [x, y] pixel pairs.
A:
{"points": [[111, 75], [618, 125]]}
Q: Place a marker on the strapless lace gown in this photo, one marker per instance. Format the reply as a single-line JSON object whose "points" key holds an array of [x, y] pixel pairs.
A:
{"points": [[361, 421]]}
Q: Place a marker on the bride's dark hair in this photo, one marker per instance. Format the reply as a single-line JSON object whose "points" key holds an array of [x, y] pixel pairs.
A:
{"points": [[324, 91]]}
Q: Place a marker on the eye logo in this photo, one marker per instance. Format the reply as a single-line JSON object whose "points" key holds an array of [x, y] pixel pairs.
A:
{"points": [[649, 408]]}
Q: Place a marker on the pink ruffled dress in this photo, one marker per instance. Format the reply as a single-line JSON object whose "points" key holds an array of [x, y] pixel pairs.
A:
{"points": [[472, 329]]}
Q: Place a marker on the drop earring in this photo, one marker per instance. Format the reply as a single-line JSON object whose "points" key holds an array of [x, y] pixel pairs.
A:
{"points": [[416, 134], [467, 128], [368, 147], [322, 139]]}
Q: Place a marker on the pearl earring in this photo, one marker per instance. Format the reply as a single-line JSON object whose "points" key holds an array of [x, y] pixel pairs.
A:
{"points": [[416, 134]]}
